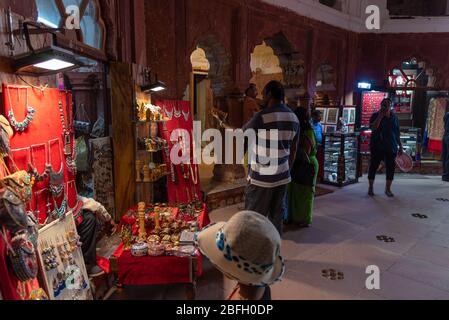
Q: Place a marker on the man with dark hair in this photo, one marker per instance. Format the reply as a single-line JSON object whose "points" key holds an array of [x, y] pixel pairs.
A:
{"points": [[445, 157], [250, 105], [385, 145], [265, 191]]}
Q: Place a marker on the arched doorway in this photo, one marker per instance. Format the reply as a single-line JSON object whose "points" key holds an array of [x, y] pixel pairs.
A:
{"points": [[265, 66], [276, 59]]}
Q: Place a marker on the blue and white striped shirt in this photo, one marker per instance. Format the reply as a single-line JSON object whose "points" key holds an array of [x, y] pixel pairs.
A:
{"points": [[276, 129]]}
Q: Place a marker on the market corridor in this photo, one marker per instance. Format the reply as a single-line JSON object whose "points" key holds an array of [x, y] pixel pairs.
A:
{"points": [[344, 237]]}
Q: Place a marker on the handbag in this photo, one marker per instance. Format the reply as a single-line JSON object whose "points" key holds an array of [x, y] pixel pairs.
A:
{"points": [[81, 126], [12, 211], [303, 171], [22, 257]]}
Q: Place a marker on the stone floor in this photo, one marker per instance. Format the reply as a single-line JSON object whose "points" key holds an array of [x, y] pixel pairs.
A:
{"points": [[343, 237]]}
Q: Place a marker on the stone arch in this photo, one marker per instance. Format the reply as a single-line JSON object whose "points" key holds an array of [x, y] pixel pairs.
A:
{"points": [[292, 62], [220, 65], [429, 72]]}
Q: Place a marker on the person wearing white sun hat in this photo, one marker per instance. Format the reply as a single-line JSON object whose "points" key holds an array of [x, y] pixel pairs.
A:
{"points": [[245, 249]]}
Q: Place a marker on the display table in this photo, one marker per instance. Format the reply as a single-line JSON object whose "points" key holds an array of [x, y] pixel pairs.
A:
{"points": [[163, 270]]}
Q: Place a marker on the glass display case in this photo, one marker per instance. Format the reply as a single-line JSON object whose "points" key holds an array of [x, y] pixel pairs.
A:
{"points": [[341, 158], [411, 141]]}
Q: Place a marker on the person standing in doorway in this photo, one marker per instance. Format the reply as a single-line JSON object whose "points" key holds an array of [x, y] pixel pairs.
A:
{"points": [[385, 145], [445, 157], [265, 193], [250, 104]]}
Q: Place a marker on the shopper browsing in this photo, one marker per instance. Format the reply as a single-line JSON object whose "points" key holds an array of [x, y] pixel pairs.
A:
{"points": [[265, 193], [245, 249], [385, 145]]}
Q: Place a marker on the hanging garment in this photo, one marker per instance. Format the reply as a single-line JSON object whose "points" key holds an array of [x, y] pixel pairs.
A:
{"points": [[435, 125]]}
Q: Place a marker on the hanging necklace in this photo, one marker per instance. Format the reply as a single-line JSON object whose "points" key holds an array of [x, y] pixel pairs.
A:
{"points": [[71, 156], [194, 174], [168, 113], [65, 129], [56, 178], [186, 115], [33, 170], [177, 112], [20, 126]]}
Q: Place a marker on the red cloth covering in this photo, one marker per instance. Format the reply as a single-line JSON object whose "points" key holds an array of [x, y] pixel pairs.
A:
{"points": [[42, 138], [435, 146], [182, 190], [153, 270]]}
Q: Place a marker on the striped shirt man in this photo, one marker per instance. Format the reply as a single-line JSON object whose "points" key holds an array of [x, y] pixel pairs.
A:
{"points": [[276, 129]]}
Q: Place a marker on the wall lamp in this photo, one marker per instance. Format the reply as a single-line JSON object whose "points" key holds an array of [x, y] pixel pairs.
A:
{"points": [[152, 87], [41, 62]]}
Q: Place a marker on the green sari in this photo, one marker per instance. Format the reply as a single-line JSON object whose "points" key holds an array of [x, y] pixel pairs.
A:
{"points": [[300, 198]]}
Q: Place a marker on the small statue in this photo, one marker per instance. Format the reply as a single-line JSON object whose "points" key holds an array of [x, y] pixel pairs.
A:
{"points": [[142, 231]]}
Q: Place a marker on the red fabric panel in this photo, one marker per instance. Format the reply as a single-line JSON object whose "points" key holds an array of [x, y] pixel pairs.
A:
{"points": [[435, 146], [182, 191], [43, 136]]}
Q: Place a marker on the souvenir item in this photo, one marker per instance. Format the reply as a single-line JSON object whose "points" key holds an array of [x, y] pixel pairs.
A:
{"points": [[6, 133], [12, 211], [23, 258], [138, 168], [153, 239], [156, 250], [142, 231], [177, 113], [404, 162], [22, 125], [186, 115], [168, 113], [38, 295], [139, 249]]}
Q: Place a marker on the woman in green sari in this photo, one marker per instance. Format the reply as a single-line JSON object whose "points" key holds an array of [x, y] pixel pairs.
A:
{"points": [[301, 191]]}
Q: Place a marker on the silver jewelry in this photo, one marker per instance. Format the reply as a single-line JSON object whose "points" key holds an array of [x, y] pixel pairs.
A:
{"points": [[21, 126], [168, 113], [186, 115], [177, 113]]}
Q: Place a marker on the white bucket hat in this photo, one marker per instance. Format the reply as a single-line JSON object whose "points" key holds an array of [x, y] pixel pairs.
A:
{"points": [[246, 249]]}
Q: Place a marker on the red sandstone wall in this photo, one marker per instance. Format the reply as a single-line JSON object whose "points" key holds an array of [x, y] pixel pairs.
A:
{"points": [[380, 53], [239, 26]]}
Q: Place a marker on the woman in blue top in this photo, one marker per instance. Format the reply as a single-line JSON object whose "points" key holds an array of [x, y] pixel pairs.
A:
{"points": [[385, 144]]}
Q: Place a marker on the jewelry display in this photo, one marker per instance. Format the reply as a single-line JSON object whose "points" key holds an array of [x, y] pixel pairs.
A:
{"points": [[167, 156], [186, 115], [56, 178], [168, 113], [65, 127], [23, 125], [31, 164], [177, 113]]}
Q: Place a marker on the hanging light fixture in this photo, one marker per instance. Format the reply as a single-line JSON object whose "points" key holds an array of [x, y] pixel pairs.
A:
{"points": [[152, 87], [45, 61]]}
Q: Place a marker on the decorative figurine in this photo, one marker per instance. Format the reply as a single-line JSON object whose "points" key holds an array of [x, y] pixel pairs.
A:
{"points": [[142, 231], [138, 168]]}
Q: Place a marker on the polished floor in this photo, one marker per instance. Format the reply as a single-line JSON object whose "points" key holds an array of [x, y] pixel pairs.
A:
{"points": [[407, 238]]}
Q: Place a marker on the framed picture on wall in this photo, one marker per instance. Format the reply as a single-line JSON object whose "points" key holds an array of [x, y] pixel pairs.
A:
{"points": [[330, 129], [346, 114], [332, 116], [352, 116], [323, 113]]}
